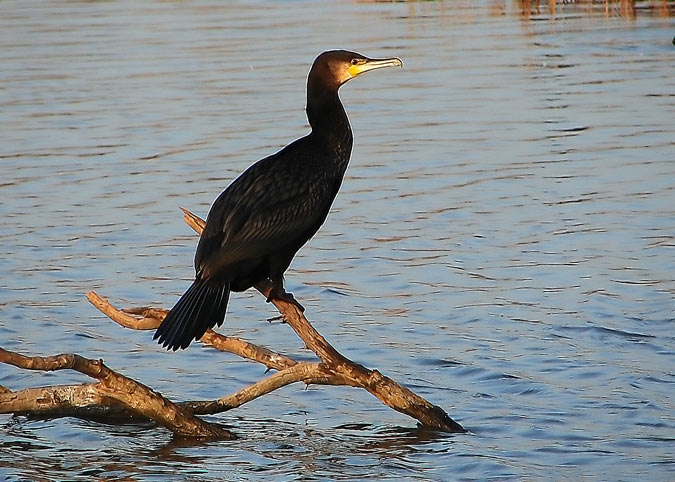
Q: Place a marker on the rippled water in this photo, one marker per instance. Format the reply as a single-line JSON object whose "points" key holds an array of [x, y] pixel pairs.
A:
{"points": [[503, 242]]}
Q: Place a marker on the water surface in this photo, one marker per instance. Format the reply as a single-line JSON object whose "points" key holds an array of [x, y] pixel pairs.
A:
{"points": [[502, 243]]}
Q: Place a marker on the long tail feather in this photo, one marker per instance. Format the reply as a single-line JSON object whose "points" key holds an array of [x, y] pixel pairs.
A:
{"points": [[201, 307]]}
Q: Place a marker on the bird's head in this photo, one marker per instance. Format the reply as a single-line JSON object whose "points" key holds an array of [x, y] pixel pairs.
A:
{"points": [[335, 67]]}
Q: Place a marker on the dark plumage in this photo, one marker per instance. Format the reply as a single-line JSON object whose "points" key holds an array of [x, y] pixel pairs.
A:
{"points": [[259, 222]]}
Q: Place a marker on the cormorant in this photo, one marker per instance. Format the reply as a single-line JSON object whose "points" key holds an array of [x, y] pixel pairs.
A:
{"points": [[256, 225]]}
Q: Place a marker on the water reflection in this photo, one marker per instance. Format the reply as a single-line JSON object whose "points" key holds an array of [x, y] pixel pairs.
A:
{"points": [[627, 9]]}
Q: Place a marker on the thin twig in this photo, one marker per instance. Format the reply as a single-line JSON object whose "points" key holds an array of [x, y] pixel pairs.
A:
{"points": [[308, 373], [150, 318]]}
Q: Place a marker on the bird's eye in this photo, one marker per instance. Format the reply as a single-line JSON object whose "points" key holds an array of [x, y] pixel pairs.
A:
{"points": [[355, 61]]}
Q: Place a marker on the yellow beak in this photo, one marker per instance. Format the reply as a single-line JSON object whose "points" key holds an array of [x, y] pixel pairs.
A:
{"points": [[372, 64]]}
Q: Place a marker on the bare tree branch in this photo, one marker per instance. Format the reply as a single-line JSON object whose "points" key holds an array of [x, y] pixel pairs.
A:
{"points": [[150, 318], [384, 388], [308, 373], [112, 388], [116, 397], [84, 401]]}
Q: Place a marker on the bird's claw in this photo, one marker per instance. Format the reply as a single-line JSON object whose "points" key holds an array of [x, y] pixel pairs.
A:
{"points": [[276, 318], [282, 295]]}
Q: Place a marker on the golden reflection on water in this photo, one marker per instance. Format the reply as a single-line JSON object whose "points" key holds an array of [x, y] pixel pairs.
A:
{"points": [[628, 9], [548, 9]]}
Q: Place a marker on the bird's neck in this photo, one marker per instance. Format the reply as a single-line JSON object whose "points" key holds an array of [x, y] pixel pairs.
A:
{"points": [[328, 120]]}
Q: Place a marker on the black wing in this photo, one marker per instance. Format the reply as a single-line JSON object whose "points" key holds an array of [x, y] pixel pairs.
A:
{"points": [[279, 201]]}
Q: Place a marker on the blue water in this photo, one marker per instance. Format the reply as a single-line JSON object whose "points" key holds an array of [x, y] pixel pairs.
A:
{"points": [[503, 243]]}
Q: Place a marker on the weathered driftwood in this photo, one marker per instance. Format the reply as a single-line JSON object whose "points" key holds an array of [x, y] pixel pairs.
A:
{"points": [[384, 388], [112, 389], [115, 396], [150, 318]]}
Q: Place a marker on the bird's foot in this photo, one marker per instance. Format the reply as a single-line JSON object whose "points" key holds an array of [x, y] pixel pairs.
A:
{"points": [[283, 295], [279, 318]]}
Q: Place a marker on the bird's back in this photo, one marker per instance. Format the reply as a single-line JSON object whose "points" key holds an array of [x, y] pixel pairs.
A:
{"points": [[277, 204]]}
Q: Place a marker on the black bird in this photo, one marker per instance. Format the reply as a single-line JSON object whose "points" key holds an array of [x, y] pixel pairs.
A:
{"points": [[256, 225]]}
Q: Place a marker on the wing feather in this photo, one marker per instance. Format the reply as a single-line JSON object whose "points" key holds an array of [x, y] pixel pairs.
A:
{"points": [[266, 208]]}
